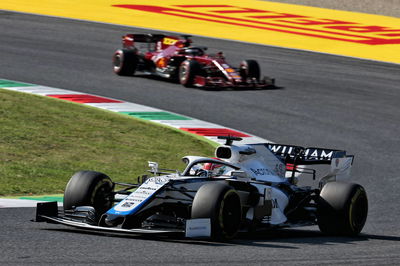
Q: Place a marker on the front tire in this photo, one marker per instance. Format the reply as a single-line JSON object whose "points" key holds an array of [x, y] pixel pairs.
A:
{"points": [[89, 188], [221, 204], [125, 62], [188, 71], [342, 209], [249, 69]]}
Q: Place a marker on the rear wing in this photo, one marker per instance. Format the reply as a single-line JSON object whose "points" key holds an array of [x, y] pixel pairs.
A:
{"points": [[147, 38], [305, 156], [129, 40], [162, 40], [293, 156]]}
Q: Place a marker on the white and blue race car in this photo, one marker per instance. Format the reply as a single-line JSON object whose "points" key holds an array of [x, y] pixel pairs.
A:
{"points": [[244, 188]]}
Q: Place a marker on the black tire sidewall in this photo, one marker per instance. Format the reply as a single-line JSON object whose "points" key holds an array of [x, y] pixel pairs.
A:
{"points": [[192, 68], [250, 69], [127, 62], [86, 188], [214, 200], [342, 209]]}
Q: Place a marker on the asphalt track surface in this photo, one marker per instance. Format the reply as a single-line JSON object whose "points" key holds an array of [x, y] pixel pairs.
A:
{"points": [[324, 100]]}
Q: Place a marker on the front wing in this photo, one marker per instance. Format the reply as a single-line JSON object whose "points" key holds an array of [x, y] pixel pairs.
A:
{"points": [[218, 82], [48, 212], [86, 226]]}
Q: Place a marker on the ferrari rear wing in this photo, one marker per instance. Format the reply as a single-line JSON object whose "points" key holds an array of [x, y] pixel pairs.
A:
{"points": [[147, 38], [162, 41], [305, 156]]}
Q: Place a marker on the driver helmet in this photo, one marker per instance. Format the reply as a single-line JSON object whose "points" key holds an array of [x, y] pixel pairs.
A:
{"points": [[215, 168], [194, 51]]}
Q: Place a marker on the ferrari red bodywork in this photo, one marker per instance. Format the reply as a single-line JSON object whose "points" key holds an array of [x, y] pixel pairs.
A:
{"points": [[175, 58]]}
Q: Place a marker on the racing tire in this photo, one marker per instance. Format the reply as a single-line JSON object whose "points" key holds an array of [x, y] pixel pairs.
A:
{"points": [[89, 188], [342, 209], [125, 62], [220, 203], [249, 69], [188, 71]]}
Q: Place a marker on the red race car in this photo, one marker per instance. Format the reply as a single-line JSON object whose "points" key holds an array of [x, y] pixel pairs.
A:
{"points": [[175, 58]]}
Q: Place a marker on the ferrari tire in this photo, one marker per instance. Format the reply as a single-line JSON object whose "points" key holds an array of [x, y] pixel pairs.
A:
{"points": [[249, 69], [342, 209], [125, 62], [89, 188], [188, 71], [221, 204]]}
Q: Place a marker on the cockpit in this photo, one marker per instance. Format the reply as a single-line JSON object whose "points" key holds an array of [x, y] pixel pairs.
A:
{"points": [[208, 167], [194, 50]]}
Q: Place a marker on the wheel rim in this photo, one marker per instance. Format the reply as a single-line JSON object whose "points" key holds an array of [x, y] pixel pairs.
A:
{"points": [[358, 211], [183, 73], [117, 60], [230, 214], [102, 197]]}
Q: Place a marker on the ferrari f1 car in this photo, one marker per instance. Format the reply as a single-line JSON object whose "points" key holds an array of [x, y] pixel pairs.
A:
{"points": [[176, 59], [244, 188]]}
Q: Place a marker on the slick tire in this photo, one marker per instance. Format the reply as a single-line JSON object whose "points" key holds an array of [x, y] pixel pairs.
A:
{"points": [[249, 69], [188, 71], [220, 203], [342, 209], [125, 62], [89, 188]]}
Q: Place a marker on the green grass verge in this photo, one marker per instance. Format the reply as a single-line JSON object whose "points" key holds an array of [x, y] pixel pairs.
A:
{"points": [[44, 141], [55, 197]]}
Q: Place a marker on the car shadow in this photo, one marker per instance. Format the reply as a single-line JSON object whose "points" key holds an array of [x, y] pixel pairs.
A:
{"points": [[157, 78], [300, 236], [282, 238], [269, 88]]}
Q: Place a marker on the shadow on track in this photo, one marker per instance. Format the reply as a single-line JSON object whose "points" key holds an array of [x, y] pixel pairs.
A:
{"points": [[283, 238], [161, 79]]}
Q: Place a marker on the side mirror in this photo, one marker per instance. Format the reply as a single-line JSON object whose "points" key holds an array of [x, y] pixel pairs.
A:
{"points": [[154, 167], [241, 175]]}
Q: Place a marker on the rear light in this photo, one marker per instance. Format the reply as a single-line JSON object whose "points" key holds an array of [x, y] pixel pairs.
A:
{"points": [[290, 167]]}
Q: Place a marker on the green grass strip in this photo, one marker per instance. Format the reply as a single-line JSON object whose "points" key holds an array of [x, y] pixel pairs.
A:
{"points": [[44, 141], [44, 198]]}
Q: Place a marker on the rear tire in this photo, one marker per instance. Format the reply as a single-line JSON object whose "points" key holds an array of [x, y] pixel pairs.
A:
{"points": [[89, 188], [342, 209], [249, 69], [188, 71], [220, 203], [125, 62]]}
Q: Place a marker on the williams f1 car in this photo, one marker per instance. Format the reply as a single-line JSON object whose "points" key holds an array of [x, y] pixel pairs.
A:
{"points": [[176, 59], [244, 188]]}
